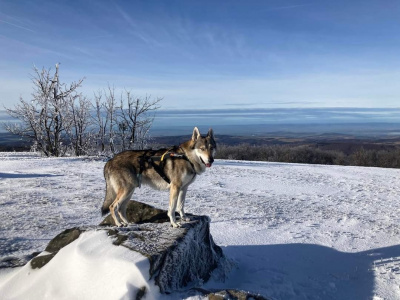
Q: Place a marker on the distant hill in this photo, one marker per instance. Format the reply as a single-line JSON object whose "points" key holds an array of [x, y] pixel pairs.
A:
{"points": [[11, 142], [337, 142], [345, 143]]}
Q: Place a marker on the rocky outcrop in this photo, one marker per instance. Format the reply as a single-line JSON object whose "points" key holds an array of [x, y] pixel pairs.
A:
{"points": [[230, 294], [63, 239], [179, 257], [139, 213]]}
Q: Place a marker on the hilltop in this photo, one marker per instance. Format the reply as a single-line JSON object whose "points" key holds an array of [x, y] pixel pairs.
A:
{"points": [[294, 231]]}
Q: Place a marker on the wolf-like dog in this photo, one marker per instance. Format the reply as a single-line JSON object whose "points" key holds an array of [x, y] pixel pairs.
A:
{"points": [[174, 169]]}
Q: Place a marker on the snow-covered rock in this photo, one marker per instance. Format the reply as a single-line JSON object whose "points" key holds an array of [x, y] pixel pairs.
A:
{"points": [[178, 257]]}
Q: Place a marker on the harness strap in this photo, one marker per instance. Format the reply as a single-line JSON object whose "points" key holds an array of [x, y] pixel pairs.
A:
{"points": [[159, 168]]}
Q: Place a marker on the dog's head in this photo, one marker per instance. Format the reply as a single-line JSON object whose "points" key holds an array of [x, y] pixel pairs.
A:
{"points": [[205, 147]]}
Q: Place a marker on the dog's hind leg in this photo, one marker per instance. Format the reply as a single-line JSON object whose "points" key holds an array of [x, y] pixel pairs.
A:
{"points": [[118, 207], [173, 199], [122, 210], [113, 207], [181, 204]]}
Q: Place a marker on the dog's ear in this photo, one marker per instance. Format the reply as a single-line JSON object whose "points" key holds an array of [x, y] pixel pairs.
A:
{"points": [[196, 134], [210, 133]]}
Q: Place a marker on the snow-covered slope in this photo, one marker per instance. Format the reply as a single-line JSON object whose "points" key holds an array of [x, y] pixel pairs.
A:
{"points": [[295, 231]]}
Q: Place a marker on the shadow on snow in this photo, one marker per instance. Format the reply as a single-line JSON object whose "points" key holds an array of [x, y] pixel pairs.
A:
{"points": [[305, 271], [21, 175]]}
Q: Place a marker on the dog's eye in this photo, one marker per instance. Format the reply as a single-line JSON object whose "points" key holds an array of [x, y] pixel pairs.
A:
{"points": [[203, 149]]}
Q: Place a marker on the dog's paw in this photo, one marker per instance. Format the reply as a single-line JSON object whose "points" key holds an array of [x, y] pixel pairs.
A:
{"points": [[176, 225], [185, 219]]}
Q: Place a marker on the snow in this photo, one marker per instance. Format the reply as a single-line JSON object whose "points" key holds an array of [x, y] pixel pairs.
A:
{"points": [[294, 231], [121, 277]]}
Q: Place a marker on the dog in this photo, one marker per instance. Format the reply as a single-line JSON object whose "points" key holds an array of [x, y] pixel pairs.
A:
{"points": [[174, 169]]}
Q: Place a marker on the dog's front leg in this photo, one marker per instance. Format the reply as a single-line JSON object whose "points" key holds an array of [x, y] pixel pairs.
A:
{"points": [[173, 199], [181, 204]]}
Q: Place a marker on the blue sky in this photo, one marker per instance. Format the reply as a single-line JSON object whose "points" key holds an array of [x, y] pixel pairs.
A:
{"points": [[210, 54]]}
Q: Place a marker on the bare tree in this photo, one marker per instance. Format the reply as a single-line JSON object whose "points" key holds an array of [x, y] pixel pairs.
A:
{"points": [[136, 117], [126, 124], [80, 120], [44, 118], [100, 121], [110, 107], [58, 118]]}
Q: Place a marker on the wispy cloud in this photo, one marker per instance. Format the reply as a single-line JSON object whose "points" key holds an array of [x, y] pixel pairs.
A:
{"points": [[18, 26], [33, 49], [289, 6], [92, 37], [137, 30]]}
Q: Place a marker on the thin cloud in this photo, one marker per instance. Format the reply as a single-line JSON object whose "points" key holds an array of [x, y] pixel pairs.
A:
{"points": [[93, 37], [289, 6], [18, 26], [136, 29]]}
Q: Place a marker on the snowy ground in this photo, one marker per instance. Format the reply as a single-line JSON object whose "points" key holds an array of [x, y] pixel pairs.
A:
{"points": [[295, 231]]}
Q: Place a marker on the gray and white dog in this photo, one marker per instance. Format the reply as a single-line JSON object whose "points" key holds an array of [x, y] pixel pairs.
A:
{"points": [[174, 169]]}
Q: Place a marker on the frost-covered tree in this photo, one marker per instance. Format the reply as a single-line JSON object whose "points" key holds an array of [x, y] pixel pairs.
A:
{"points": [[124, 125], [100, 120], [110, 106], [45, 118], [78, 130], [136, 117], [58, 118]]}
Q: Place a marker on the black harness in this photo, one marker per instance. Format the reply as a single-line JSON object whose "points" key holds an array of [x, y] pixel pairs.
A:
{"points": [[151, 159]]}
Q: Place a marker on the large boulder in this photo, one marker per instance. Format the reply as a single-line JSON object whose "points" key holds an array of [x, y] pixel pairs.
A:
{"points": [[61, 240], [179, 257]]}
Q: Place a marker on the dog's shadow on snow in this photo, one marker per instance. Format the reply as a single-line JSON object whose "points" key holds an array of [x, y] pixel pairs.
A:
{"points": [[305, 271]]}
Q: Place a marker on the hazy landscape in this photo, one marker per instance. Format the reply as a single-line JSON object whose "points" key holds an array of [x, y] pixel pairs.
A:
{"points": [[268, 126]]}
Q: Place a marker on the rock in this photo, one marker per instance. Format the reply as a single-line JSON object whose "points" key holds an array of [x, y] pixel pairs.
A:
{"points": [[61, 240], [14, 262], [140, 213], [234, 295], [228, 294], [179, 257]]}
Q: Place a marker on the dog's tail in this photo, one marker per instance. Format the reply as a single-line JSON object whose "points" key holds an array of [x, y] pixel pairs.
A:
{"points": [[109, 198]]}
